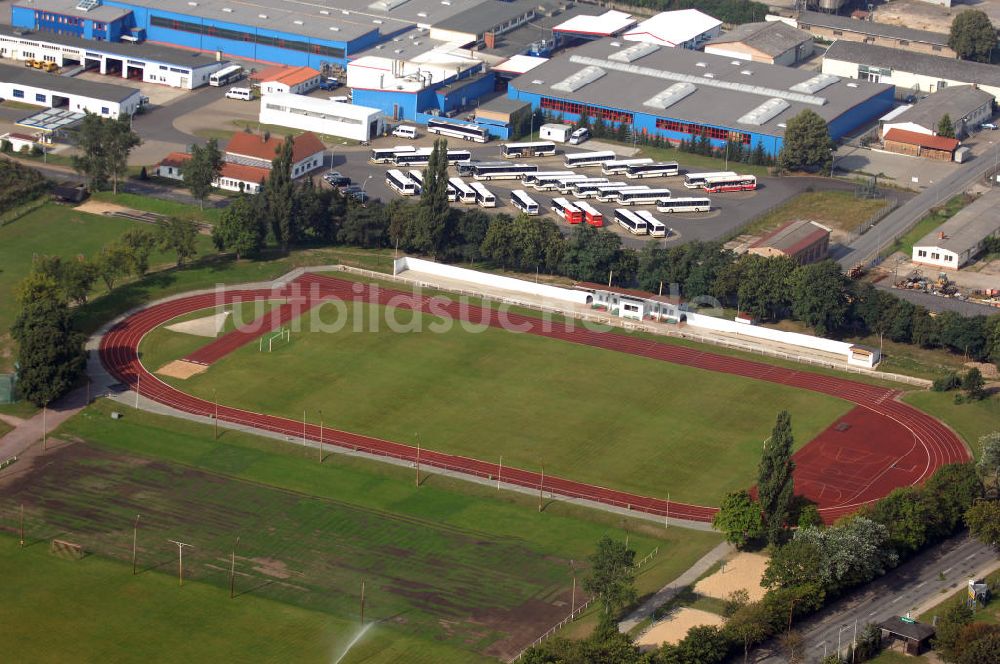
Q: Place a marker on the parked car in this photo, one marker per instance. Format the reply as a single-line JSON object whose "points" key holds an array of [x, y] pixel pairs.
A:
{"points": [[988, 125], [359, 196], [336, 179], [329, 84]]}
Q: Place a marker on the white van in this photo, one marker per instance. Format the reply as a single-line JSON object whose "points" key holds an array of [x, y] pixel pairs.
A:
{"points": [[405, 131], [579, 136], [239, 93]]}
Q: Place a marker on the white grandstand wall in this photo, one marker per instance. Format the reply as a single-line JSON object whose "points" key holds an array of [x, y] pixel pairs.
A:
{"points": [[490, 280]]}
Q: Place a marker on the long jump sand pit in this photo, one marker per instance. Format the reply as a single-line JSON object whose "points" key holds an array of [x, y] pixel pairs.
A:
{"points": [[675, 626], [181, 369], [742, 571]]}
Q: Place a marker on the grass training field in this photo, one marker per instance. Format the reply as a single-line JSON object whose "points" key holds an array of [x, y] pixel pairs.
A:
{"points": [[588, 414], [453, 571]]}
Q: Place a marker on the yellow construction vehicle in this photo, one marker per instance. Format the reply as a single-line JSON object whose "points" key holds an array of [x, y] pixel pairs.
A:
{"points": [[37, 64], [50, 66], [29, 63]]}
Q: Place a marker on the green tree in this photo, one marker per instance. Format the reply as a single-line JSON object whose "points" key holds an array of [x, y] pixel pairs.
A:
{"points": [[112, 264], [988, 466], [498, 245], [807, 145], [365, 226], [703, 644], [279, 196], [973, 384], [775, 485], [612, 576], [945, 128], [240, 229], [203, 169], [819, 296], [983, 649], [748, 626], [120, 140], [139, 243], [739, 518], [983, 520], [50, 352], [93, 159], [949, 627], [794, 564], [855, 551], [430, 223], [809, 516], [762, 284], [178, 235], [906, 516], [972, 35], [993, 340]]}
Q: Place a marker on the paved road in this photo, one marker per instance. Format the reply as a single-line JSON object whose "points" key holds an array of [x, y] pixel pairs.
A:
{"points": [[866, 247], [919, 582], [938, 304], [158, 124]]}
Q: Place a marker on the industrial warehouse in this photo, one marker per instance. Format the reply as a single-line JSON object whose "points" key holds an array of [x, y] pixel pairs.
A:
{"points": [[682, 94]]}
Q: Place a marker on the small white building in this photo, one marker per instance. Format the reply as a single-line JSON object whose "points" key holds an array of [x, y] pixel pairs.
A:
{"points": [[19, 142], [957, 241], [293, 80], [684, 28], [32, 86], [555, 132], [322, 116], [152, 63]]}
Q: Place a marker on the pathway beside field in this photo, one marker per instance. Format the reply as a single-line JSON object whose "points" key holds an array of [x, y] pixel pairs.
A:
{"points": [[667, 592], [28, 432]]}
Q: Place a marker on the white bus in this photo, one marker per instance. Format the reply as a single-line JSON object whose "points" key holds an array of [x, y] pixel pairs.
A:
{"points": [[503, 171], [630, 221], [590, 214], [532, 178], [731, 183], [465, 193], [400, 183], [418, 179], [546, 182], [519, 150], [652, 170], [422, 157], [580, 159], [641, 196], [684, 205], [697, 180], [609, 192], [483, 195], [620, 165], [226, 75], [388, 155], [520, 199], [452, 193], [468, 132], [568, 184], [588, 188], [567, 210], [654, 226]]}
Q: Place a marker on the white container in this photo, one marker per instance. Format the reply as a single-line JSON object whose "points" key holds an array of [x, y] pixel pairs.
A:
{"points": [[555, 132]]}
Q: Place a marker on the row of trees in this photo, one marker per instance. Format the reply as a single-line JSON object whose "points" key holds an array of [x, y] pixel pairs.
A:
{"points": [[771, 289], [19, 184]]}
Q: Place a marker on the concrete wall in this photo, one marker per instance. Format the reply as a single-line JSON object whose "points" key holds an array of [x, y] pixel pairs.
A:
{"points": [[779, 336], [490, 280]]}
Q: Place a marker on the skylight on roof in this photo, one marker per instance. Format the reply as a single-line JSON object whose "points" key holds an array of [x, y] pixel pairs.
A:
{"points": [[815, 84], [581, 78], [633, 53], [671, 95], [769, 110]]}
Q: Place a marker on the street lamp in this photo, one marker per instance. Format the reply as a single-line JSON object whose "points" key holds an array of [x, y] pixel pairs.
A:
{"points": [[839, 632]]}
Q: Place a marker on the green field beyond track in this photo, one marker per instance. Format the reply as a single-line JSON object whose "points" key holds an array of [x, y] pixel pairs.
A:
{"points": [[588, 414]]}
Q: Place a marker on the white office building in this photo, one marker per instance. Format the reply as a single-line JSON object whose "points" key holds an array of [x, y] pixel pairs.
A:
{"points": [[322, 116], [31, 86]]}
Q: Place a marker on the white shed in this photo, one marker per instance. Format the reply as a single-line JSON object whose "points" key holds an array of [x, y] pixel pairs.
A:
{"points": [[555, 132], [322, 116]]}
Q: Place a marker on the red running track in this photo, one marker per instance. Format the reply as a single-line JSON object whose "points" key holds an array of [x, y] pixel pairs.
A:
{"points": [[908, 443]]}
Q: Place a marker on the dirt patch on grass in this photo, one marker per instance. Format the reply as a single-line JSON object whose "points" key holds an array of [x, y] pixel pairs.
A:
{"points": [[206, 326], [674, 627], [182, 369], [742, 572], [275, 569]]}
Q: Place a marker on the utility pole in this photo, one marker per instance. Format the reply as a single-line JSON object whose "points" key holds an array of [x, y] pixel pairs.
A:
{"points": [[418, 460], [362, 602], [303, 427], [22, 527], [320, 447], [180, 559], [45, 427], [499, 471], [135, 539], [572, 604], [666, 519], [541, 487], [137, 377], [232, 570], [215, 397]]}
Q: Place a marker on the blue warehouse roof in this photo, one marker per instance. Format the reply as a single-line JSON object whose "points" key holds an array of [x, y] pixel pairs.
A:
{"points": [[693, 86]]}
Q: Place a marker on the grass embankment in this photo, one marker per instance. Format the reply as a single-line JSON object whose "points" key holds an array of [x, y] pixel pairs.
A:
{"points": [[840, 210], [970, 420], [161, 206], [936, 217], [588, 414], [452, 568]]}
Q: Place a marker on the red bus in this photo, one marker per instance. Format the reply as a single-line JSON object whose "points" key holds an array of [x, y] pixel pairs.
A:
{"points": [[731, 183], [591, 215], [567, 210]]}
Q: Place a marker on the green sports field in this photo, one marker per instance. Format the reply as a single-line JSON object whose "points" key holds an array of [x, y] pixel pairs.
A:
{"points": [[453, 571], [593, 415]]}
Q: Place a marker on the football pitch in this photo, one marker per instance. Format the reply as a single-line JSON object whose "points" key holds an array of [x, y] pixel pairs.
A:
{"points": [[453, 572], [587, 414]]}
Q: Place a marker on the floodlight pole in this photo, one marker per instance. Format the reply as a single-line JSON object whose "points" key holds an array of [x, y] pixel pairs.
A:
{"points": [[21, 544], [499, 471], [418, 459], [572, 604], [135, 539], [854, 642], [215, 396], [541, 487], [666, 518], [232, 570], [137, 377], [303, 427], [180, 559], [320, 447], [362, 601]]}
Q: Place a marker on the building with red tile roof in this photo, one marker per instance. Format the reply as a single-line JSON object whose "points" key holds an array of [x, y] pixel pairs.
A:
{"points": [[916, 144], [803, 241], [294, 80]]}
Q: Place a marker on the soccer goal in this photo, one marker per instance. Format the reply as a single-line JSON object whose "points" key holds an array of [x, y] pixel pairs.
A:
{"points": [[283, 335]]}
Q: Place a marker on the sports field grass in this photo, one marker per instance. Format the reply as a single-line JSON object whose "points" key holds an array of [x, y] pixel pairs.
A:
{"points": [[970, 420], [593, 415], [56, 230], [452, 568]]}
